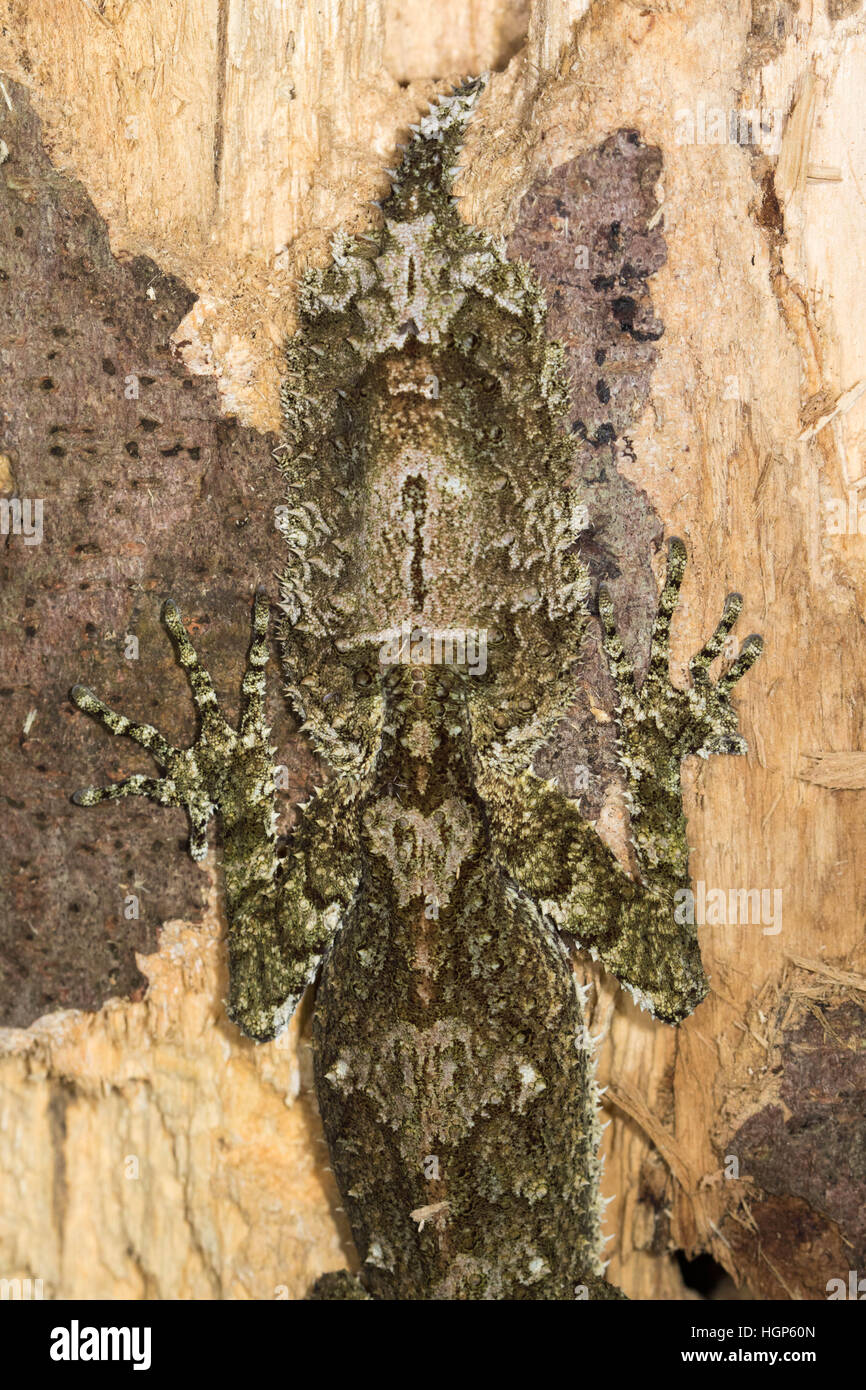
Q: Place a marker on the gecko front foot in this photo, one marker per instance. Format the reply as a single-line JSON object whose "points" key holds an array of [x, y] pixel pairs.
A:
{"points": [[225, 769], [660, 718], [653, 951]]}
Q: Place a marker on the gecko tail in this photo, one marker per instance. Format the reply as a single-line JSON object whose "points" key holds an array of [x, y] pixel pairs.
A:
{"points": [[422, 182]]}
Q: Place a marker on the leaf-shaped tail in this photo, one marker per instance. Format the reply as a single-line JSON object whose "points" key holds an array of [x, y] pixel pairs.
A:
{"points": [[422, 182]]}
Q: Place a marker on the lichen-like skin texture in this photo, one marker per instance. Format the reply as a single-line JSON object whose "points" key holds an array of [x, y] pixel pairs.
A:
{"points": [[433, 603]]}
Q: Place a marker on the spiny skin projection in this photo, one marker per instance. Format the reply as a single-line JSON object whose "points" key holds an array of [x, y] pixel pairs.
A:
{"points": [[428, 493]]}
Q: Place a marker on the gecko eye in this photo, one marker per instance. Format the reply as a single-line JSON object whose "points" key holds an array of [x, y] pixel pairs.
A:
{"points": [[363, 678], [495, 635], [495, 433], [470, 342], [501, 721], [490, 384], [518, 335]]}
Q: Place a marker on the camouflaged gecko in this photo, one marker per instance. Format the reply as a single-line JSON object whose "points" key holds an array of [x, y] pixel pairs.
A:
{"points": [[429, 496]]}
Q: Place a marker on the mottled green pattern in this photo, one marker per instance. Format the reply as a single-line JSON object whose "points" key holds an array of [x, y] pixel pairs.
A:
{"points": [[428, 489], [281, 912]]}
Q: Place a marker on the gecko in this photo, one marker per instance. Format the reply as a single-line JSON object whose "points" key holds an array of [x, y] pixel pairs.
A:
{"points": [[433, 608]]}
